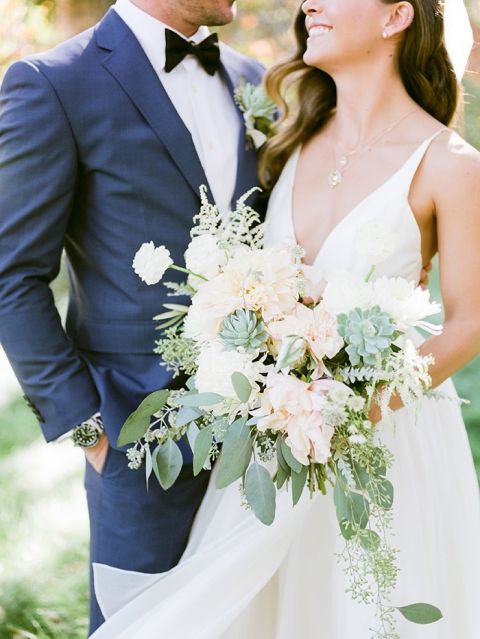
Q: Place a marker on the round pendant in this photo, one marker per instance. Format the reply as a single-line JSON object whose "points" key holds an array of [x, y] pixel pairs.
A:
{"points": [[334, 178]]}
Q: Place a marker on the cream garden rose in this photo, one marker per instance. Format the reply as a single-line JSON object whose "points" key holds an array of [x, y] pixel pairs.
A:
{"points": [[204, 257], [317, 327], [297, 408]]}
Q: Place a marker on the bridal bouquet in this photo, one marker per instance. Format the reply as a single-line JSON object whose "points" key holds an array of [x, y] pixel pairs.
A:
{"points": [[283, 369]]}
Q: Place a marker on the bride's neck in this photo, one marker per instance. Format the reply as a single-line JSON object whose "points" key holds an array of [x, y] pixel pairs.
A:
{"points": [[364, 108]]}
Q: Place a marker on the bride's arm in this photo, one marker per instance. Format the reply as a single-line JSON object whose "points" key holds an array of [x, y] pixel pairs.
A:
{"points": [[455, 175], [454, 172]]}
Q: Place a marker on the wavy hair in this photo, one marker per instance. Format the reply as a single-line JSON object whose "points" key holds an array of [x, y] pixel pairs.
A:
{"points": [[307, 96]]}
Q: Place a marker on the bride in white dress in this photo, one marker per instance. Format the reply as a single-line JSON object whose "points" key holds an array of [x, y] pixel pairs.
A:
{"points": [[384, 156]]}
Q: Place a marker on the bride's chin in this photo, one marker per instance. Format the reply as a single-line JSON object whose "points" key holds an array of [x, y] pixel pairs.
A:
{"points": [[313, 59]]}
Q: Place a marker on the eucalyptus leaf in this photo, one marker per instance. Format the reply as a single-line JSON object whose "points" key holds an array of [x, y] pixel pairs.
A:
{"points": [[290, 352], [298, 484], [380, 467], [169, 462], [242, 387], [260, 493], [236, 453], [362, 478], [281, 459], [369, 540], [138, 422], [421, 613], [353, 510], [294, 464], [220, 427], [148, 465], [190, 383], [187, 414], [359, 509], [381, 493], [203, 443], [347, 529], [192, 432], [199, 399], [281, 477]]}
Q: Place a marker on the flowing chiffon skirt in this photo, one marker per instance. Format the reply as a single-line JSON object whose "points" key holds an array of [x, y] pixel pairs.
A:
{"points": [[239, 579]]}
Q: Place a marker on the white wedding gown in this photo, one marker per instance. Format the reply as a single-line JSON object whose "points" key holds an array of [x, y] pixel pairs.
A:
{"points": [[239, 579]]}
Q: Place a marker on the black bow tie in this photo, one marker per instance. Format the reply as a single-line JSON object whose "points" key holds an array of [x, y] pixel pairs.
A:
{"points": [[177, 48]]}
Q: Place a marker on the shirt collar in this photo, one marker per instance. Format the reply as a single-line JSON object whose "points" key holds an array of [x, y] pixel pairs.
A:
{"points": [[150, 32]]}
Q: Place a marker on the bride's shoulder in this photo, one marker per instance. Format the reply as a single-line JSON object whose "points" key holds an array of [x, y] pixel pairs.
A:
{"points": [[453, 165], [450, 152]]}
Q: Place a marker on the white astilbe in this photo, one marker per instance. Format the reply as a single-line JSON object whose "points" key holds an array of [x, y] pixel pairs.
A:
{"points": [[408, 376], [242, 226], [208, 219]]}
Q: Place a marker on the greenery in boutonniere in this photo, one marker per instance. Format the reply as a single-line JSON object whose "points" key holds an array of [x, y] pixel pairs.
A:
{"points": [[259, 112]]}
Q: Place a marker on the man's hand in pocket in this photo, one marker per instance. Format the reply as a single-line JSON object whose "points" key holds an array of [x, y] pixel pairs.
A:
{"points": [[97, 455]]}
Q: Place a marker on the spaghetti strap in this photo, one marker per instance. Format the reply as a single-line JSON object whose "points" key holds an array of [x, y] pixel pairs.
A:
{"points": [[412, 165]]}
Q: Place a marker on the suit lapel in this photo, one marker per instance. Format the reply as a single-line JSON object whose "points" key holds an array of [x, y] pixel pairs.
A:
{"points": [[247, 173], [128, 64]]}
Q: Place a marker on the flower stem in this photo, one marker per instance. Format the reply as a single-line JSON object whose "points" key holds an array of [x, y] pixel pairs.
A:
{"points": [[185, 270], [370, 273]]}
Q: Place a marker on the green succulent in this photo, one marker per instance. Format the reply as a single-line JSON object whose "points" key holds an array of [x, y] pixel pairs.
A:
{"points": [[243, 329], [368, 333]]}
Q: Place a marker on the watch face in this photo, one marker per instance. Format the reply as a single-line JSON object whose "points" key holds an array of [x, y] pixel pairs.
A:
{"points": [[85, 436]]}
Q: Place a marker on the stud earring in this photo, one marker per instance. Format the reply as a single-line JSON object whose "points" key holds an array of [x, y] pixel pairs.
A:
{"points": [[385, 35]]}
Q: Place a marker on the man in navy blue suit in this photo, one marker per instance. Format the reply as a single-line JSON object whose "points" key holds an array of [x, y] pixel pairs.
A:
{"points": [[104, 143]]}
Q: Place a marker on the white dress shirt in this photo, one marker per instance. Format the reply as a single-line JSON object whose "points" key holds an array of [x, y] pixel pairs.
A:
{"points": [[203, 102]]}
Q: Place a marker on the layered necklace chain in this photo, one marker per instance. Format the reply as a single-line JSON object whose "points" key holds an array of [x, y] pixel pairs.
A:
{"points": [[335, 177]]}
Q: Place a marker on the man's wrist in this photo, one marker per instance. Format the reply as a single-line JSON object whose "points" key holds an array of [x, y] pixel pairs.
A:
{"points": [[88, 433]]}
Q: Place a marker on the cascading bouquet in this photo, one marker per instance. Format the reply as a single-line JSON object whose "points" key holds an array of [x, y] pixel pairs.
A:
{"points": [[282, 370]]}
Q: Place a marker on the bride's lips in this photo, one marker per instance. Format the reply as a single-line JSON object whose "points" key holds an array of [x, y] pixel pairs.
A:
{"points": [[318, 29]]}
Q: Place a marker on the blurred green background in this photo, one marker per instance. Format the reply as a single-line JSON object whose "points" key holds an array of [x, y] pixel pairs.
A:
{"points": [[43, 521]]}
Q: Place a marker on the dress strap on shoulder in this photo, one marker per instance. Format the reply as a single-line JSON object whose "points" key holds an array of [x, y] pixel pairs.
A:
{"points": [[411, 167]]}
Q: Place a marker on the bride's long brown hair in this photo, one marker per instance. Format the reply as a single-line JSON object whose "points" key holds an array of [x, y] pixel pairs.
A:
{"points": [[307, 96]]}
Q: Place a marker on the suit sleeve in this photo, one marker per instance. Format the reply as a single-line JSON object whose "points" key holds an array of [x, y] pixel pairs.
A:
{"points": [[38, 169]]}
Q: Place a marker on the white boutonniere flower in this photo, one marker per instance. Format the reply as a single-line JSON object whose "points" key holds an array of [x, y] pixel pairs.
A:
{"points": [[258, 112]]}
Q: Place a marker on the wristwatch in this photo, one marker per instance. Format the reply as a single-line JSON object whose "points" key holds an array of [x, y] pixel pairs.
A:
{"points": [[88, 433]]}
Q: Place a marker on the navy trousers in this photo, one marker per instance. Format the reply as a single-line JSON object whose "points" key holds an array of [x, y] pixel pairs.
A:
{"points": [[136, 529]]}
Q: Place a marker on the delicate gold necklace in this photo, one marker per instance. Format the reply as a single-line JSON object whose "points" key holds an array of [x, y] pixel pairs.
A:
{"points": [[335, 177]]}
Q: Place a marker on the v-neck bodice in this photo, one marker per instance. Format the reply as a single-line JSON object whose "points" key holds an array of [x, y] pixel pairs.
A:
{"points": [[383, 216]]}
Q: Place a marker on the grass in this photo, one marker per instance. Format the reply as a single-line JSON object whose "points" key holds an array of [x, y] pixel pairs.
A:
{"points": [[43, 540]]}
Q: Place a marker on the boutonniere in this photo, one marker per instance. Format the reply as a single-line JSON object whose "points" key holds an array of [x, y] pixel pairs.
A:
{"points": [[258, 110]]}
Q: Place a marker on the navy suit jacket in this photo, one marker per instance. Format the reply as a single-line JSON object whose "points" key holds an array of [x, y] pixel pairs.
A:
{"points": [[95, 160]]}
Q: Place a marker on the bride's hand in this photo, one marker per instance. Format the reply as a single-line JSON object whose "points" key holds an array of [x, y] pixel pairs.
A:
{"points": [[425, 275], [374, 414]]}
